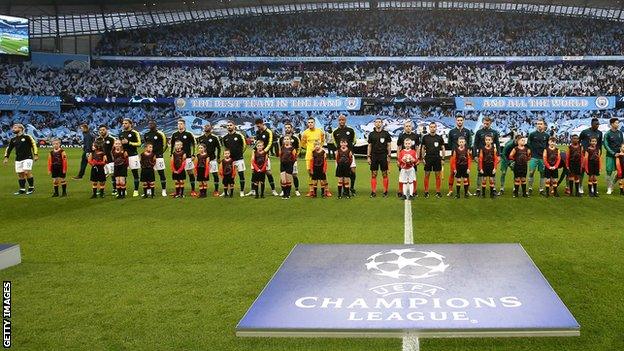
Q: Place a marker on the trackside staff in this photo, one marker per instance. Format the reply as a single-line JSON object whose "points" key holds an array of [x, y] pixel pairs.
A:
{"points": [[25, 154]]}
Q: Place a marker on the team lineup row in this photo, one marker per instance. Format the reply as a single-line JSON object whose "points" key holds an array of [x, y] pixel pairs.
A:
{"points": [[200, 158]]}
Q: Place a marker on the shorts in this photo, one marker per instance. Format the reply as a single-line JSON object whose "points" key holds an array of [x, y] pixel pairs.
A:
{"points": [[109, 168], [257, 177], [160, 164], [461, 171], [214, 166], [343, 170], [228, 180], [488, 170], [575, 169], [134, 162], [240, 165], [120, 171], [57, 171], [593, 168], [551, 173], [407, 176], [318, 174], [189, 165], [201, 174], [536, 163], [178, 176], [433, 165], [520, 171], [23, 166], [610, 164], [287, 167], [147, 175], [97, 174], [379, 162]]}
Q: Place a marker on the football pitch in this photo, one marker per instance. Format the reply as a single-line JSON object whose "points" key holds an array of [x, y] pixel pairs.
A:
{"points": [[10, 45], [178, 274]]}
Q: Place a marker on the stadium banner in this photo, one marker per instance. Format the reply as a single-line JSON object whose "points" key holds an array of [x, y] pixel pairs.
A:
{"points": [[535, 103], [30, 103], [430, 290], [123, 100], [297, 59], [73, 61], [268, 104]]}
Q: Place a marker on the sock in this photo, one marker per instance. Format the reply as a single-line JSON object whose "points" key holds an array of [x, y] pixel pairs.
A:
{"points": [[181, 189], [374, 185], [426, 184], [482, 189], [385, 184], [400, 188], [163, 179], [271, 181], [241, 177], [31, 183], [457, 188], [414, 187], [576, 187], [94, 190], [346, 191], [192, 180], [524, 188], [352, 177], [410, 187], [516, 187], [56, 188], [215, 181], [466, 189], [531, 181], [405, 190], [296, 182], [262, 189], [102, 191], [542, 181], [136, 178], [64, 187], [339, 190], [113, 183], [288, 190], [438, 183]]}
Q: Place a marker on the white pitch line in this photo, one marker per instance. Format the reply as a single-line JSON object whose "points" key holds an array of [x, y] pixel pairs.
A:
{"points": [[409, 229], [410, 341]]}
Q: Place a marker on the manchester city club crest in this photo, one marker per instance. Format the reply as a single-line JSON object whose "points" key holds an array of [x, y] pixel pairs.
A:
{"points": [[180, 103]]}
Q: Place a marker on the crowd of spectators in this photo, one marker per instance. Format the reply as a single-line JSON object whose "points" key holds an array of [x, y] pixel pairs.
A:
{"points": [[405, 80], [375, 33]]}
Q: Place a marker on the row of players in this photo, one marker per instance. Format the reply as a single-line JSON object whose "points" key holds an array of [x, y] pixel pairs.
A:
{"points": [[113, 157]]}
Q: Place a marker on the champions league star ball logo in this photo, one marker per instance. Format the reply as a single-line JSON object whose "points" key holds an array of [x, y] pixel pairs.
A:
{"points": [[406, 263]]}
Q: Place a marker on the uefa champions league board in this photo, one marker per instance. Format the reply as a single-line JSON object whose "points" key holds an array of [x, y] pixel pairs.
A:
{"points": [[448, 290]]}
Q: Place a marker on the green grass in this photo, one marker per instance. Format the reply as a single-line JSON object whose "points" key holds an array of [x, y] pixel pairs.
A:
{"points": [[11, 46], [178, 274]]}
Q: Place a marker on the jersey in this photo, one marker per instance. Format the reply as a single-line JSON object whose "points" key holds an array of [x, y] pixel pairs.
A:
{"points": [[296, 143], [593, 154], [107, 144], [461, 157], [575, 155], [188, 142], [379, 141], [98, 158], [413, 136], [455, 134], [552, 158], [347, 133], [432, 145], [487, 157], [522, 155], [119, 158], [318, 160], [226, 168], [202, 164], [479, 140], [159, 141], [24, 145], [134, 141], [148, 160], [178, 160], [259, 161], [288, 155], [538, 142], [235, 142], [612, 142], [213, 147], [407, 164], [308, 138], [57, 159], [266, 136], [343, 157]]}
